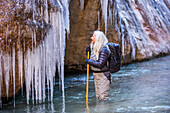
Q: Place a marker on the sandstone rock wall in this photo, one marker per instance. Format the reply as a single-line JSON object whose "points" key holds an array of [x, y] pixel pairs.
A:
{"points": [[82, 24]]}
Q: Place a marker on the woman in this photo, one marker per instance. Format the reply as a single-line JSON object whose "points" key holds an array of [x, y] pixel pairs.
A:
{"points": [[99, 54]]}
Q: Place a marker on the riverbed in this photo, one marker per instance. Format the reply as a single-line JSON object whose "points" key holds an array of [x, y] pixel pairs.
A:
{"points": [[142, 87]]}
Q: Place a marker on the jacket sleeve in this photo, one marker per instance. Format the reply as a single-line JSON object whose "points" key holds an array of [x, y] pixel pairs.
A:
{"points": [[103, 57]]}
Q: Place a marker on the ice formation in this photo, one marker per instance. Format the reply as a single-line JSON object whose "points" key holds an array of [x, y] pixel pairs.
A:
{"points": [[38, 64]]}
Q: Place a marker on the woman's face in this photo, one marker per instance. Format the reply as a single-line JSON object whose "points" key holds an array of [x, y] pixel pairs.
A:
{"points": [[93, 38]]}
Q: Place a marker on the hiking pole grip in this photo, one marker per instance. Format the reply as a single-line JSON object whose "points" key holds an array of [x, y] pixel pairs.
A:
{"points": [[87, 84]]}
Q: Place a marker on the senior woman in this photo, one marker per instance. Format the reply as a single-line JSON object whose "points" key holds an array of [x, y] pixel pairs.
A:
{"points": [[99, 54]]}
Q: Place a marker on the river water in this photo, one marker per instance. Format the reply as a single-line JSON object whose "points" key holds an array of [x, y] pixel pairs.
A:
{"points": [[142, 87]]}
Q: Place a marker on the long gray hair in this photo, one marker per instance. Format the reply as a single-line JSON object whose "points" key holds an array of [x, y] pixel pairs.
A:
{"points": [[100, 41]]}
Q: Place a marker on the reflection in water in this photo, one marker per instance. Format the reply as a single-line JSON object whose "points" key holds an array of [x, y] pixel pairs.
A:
{"points": [[63, 107], [42, 108], [140, 87], [102, 107], [87, 108]]}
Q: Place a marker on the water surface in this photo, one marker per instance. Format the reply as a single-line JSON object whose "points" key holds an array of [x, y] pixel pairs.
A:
{"points": [[142, 87]]}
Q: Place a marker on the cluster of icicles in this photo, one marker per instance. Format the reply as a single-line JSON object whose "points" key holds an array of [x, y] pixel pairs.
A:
{"points": [[116, 8], [40, 62]]}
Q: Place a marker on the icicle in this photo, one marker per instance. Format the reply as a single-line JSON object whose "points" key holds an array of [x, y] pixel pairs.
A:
{"points": [[39, 73], [133, 48], [34, 9], [13, 65], [43, 57], [26, 81], [52, 107], [66, 16], [161, 12], [98, 20], [43, 70], [17, 2], [82, 4], [51, 84], [62, 47], [21, 64], [28, 5], [34, 33], [123, 45], [36, 75], [34, 13], [10, 67], [32, 75], [41, 11], [50, 75], [7, 33], [0, 79], [46, 62], [20, 61], [126, 28], [115, 18], [110, 14], [6, 58], [104, 4], [41, 60], [28, 74], [57, 46], [46, 12]]}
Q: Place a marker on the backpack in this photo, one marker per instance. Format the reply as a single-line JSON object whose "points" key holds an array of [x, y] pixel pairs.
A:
{"points": [[115, 57]]}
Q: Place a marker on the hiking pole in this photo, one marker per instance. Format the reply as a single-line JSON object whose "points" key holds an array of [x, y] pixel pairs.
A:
{"points": [[87, 84]]}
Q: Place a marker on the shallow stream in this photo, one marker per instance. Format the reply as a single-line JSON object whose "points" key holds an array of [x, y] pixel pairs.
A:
{"points": [[142, 87]]}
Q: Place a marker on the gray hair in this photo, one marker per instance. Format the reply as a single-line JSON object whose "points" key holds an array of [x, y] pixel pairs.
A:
{"points": [[100, 41]]}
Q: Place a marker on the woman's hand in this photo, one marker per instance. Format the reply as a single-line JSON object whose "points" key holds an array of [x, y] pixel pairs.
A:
{"points": [[88, 49], [86, 61]]}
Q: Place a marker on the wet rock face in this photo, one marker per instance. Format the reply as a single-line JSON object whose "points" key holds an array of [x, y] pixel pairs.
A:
{"points": [[32, 43], [16, 32], [154, 18], [22, 30], [17, 26], [140, 27], [82, 24]]}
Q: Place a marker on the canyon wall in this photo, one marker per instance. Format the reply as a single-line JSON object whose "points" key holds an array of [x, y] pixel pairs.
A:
{"points": [[32, 47], [141, 27]]}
